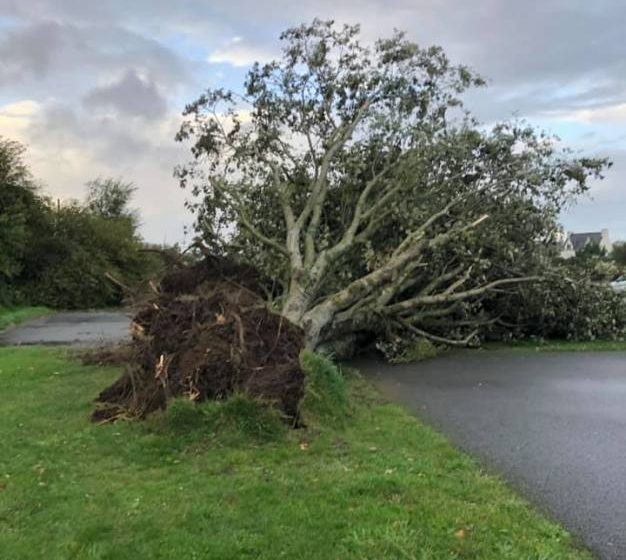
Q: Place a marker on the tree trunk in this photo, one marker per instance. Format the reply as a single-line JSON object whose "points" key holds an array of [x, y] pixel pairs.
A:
{"points": [[296, 304], [314, 322]]}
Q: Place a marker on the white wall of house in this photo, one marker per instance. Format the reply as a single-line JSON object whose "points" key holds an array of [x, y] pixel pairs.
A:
{"points": [[605, 243]]}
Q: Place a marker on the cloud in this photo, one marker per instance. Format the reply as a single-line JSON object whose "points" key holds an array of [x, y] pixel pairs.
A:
{"points": [[68, 146], [239, 53], [604, 207], [30, 51], [131, 95], [53, 51], [95, 88], [610, 114], [16, 117]]}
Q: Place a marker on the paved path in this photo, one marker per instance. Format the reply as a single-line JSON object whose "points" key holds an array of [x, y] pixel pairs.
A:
{"points": [[554, 424], [84, 327]]}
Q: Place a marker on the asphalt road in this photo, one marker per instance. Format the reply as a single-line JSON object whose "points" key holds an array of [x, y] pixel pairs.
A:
{"points": [[78, 328], [552, 424]]}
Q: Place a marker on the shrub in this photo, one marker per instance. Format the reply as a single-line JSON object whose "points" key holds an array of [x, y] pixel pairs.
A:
{"points": [[63, 256], [70, 262]]}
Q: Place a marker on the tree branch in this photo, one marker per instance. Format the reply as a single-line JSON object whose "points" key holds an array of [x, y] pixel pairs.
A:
{"points": [[458, 296], [449, 341], [315, 202]]}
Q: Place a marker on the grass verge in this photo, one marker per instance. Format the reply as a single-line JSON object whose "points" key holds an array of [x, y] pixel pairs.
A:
{"points": [[10, 316], [560, 345], [381, 485]]}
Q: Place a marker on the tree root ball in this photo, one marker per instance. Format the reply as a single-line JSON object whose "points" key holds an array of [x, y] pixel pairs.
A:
{"points": [[207, 334]]}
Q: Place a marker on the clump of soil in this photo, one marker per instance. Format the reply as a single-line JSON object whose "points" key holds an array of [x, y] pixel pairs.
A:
{"points": [[206, 335], [107, 355]]}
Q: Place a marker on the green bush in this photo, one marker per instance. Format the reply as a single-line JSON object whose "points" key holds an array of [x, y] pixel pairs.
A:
{"points": [[21, 213], [72, 258], [64, 256], [326, 394], [69, 264]]}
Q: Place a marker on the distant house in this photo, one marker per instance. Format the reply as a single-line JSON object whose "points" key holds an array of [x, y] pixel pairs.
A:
{"points": [[573, 243]]}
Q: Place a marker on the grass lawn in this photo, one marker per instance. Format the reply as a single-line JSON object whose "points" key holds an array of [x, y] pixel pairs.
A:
{"points": [[13, 315], [560, 345], [382, 486]]}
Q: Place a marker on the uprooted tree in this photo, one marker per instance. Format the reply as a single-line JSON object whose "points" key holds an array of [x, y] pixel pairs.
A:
{"points": [[354, 178], [345, 191]]}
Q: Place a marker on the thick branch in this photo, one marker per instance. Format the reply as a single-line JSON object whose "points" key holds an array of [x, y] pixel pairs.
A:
{"points": [[315, 202], [444, 297], [292, 240]]}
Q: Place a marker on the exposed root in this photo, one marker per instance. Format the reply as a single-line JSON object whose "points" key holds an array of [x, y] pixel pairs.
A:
{"points": [[206, 335]]}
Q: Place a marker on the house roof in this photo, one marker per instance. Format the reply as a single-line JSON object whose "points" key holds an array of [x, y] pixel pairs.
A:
{"points": [[579, 240]]}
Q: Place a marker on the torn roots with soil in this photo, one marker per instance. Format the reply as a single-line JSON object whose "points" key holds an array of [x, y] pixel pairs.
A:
{"points": [[206, 335]]}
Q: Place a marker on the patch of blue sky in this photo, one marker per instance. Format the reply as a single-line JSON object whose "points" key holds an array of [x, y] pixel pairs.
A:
{"points": [[209, 76], [589, 135], [6, 22], [570, 91], [186, 45], [8, 98]]}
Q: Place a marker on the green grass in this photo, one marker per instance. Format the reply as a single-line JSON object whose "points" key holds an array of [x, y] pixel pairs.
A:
{"points": [[381, 486], [560, 345], [13, 315]]}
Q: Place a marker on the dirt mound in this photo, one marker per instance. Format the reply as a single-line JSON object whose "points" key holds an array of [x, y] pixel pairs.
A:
{"points": [[206, 335], [107, 355]]}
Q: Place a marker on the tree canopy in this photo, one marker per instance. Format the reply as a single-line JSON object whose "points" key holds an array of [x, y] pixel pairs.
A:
{"points": [[354, 177], [19, 207], [110, 197]]}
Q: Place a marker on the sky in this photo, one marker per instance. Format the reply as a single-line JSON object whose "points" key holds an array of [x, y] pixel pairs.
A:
{"points": [[97, 89]]}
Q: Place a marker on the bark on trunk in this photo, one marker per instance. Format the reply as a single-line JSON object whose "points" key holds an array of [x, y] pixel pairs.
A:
{"points": [[296, 304], [317, 321], [297, 309], [314, 322]]}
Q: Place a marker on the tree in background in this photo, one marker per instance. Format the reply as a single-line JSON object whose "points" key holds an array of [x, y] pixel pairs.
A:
{"points": [[110, 198], [353, 177], [594, 262], [21, 210], [619, 254]]}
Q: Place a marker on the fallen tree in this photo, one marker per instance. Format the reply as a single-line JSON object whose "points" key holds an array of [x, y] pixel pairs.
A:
{"points": [[362, 199], [353, 177]]}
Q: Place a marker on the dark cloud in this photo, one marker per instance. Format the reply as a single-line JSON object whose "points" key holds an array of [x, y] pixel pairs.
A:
{"points": [[55, 50], [30, 51], [160, 17], [106, 138], [529, 50], [132, 95]]}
